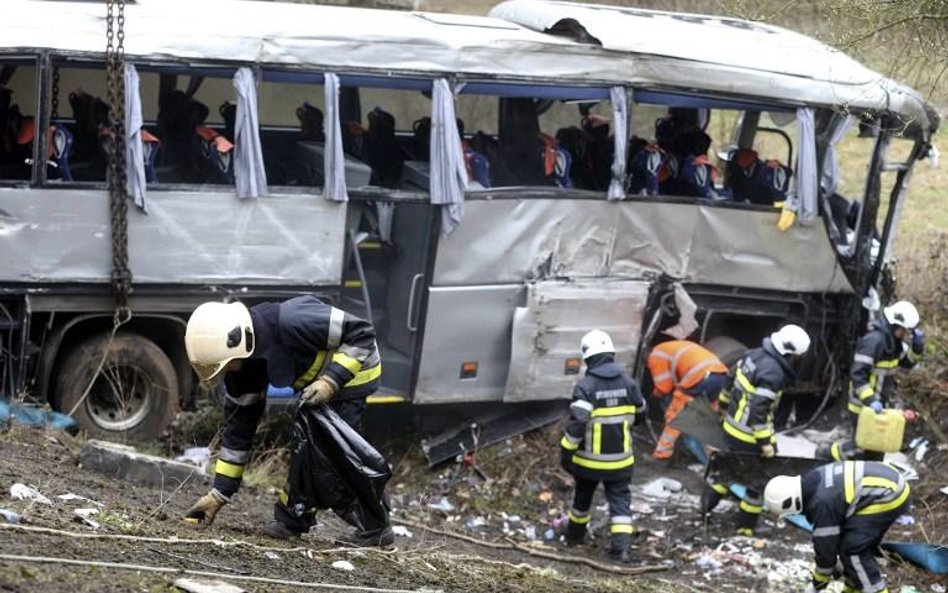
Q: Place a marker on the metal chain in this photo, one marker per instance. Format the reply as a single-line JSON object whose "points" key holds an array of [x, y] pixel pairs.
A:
{"points": [[115, 147], [54, 109]]}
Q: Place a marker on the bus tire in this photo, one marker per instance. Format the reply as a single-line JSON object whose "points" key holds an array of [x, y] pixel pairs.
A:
{"points": [[727, 349], [135, 396]]}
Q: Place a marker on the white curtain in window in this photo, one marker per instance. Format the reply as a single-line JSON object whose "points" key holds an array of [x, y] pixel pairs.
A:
{"points": [[620, 117], [802, 204], [134, 151], [249, 173], [334, 159], [448, 172], [830, 178]]}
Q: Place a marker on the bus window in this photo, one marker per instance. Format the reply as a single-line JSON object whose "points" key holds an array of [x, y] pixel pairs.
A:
{"points": [[537, 141], [17, 127], [844, 187], [292, 135], [388, 129]]}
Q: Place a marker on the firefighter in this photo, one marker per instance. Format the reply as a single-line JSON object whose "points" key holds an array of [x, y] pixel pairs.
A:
{"points": [[328, 355], [759, 381], [894, 340], [851, 505], [683, 370], [597, 446]]}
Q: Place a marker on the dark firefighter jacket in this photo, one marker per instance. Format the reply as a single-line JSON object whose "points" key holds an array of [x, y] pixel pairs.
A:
{"points": [[759, 380], [304, 338], [847, 492], [598, 440], [878, 354]]}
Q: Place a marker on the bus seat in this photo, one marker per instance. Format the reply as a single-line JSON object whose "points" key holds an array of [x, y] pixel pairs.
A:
{"points": [[87, 158], [756, 181], [477, 165], [385, 154], [575, 140], [150, 146], [59, 146], [556, 161], [648, 167], [601, 150], [311, 123], [217, 150], [421, 139], [692, 176]]}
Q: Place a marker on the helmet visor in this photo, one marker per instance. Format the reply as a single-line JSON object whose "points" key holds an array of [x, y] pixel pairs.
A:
{"points": [[206, 372]]}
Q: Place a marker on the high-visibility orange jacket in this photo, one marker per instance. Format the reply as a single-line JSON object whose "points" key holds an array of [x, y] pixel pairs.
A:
{"points": [[681, 364]]}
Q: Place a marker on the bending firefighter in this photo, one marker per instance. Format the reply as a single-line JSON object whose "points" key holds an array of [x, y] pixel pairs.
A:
{"points": [[748, 425], [597, 446], [326, 354], [683, 370], [851, 505], [893, 341]]}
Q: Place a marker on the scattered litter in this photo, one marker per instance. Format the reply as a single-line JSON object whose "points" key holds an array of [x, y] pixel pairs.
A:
{"points": [[205, 586], [903, 463], [30, 415], [70, 496], [271, 555], [697, 468], [401, 531], [642, 508], [943, 490], [938, 588], [514, 518], [530, 532], [23, 492], [549, 535], [444, 505], [343, 565], [662, 488], [905, 520], [909, 589], [545, 496], [475, 522], [196, 456], [10, 516], [85, 516], [559, 523]]}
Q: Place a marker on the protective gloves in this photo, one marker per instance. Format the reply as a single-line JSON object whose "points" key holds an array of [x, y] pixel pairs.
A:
{"points": [[910, 415], [319, 391], [876, 407], [767, 451], [206, 508], [918, 341]]}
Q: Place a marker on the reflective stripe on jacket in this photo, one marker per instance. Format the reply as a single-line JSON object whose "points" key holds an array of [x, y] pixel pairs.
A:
{"points": [[759, 381], [845, 491], [878, 355], [681, 364]]}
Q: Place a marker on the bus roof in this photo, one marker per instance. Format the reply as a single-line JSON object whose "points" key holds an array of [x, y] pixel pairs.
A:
{"points": [[630, 46]]}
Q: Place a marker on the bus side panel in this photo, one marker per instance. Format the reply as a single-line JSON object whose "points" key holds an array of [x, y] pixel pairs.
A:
{"points": [[512, 240], [547, 332], [63, 235], [466, 324]]}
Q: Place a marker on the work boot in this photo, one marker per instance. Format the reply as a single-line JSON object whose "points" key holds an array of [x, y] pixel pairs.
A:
{"points": [[824, 451], [278, 530], [374, 538], [709, 499], [620, 555], [575, 534]]}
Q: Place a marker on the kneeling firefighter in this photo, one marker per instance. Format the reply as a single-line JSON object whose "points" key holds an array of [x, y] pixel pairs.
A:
{"points": [[851, 505], [597, 446]]}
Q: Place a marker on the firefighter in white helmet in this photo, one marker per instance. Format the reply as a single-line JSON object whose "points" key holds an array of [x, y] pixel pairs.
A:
{"points": [[851, 505], [597, 444], [893, 341], [326, 354], [759, 381]]}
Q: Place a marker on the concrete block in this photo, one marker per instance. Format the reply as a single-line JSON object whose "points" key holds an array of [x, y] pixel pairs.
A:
{"points": [[126, 463]]}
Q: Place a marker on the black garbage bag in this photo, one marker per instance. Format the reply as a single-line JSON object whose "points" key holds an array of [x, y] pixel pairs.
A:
{"points": [[334, 467]]}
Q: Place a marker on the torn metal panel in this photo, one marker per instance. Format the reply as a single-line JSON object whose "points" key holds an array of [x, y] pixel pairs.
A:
{"points": [[489, 428], [62, 235], [516, 240], [547, 332]]}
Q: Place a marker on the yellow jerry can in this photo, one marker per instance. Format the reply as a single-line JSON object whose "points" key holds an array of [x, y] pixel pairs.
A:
{"points": [[882, 432]]}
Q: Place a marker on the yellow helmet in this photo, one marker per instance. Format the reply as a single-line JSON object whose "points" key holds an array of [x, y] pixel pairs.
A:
{"points": [[218, 333]]}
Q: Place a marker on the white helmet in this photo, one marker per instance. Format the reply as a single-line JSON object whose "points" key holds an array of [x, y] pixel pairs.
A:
{"points": [[596, 342], [784, 495], [903, 313], [218, 333], [791, 339]]}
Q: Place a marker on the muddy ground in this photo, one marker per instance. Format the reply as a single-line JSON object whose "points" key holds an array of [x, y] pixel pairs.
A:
{"points": [[509, 498]]}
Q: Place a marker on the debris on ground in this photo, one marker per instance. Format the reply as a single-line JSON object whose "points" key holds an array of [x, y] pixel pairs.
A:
{"points": [[343, 565], [21, 491], [9, 516], [206, 586]]}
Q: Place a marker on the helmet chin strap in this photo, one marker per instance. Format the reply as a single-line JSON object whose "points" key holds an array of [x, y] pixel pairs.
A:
{"points": [[781, 522]]}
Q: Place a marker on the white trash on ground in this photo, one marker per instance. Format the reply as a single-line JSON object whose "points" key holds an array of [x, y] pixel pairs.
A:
{"points": [[196, 456], [23, 492], [69, 496], [206, 586], [343, 565], [401, 531], [662, 488]]}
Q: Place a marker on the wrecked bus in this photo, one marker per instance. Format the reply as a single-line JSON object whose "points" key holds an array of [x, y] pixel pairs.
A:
{"points": [[484, 189]]}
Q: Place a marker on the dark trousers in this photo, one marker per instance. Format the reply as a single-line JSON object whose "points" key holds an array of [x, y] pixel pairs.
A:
{"points": [[619, 497], [300, 520], [861, 535]]}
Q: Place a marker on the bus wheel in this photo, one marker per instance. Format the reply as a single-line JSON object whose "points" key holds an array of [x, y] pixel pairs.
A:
{"points": [[135, 395], [727, 349]]}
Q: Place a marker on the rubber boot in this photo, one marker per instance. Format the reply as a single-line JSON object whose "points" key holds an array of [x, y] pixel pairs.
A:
{"points": [[619, 547], [575, 534]]}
